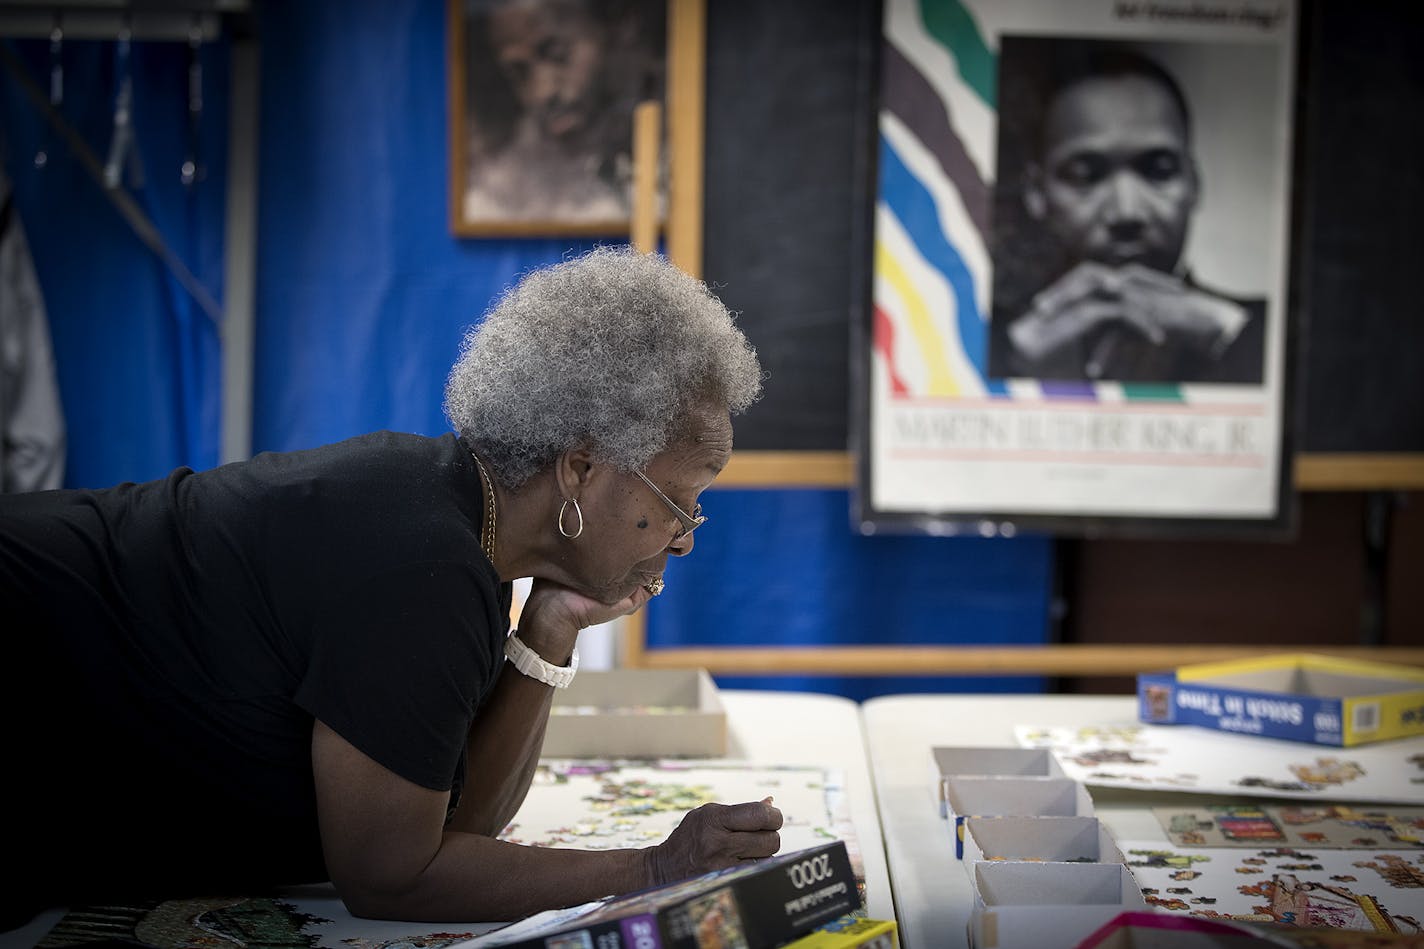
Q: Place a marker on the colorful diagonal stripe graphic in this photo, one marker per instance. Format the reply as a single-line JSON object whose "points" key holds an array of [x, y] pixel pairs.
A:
{"points": [[938, 96]]}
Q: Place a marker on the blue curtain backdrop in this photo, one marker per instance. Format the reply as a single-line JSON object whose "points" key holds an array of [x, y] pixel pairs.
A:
{"points": [[137, 360], [363, 295]]}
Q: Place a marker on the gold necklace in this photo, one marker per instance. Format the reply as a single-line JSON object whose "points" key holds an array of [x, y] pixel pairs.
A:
{"points": [[487, 530]]}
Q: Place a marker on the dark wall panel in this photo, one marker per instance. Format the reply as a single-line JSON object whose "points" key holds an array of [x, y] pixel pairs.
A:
{"points": [[790, 129], [1364, 200]]}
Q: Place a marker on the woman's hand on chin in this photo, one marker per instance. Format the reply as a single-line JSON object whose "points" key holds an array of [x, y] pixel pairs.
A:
{"points": [[563, 608]]}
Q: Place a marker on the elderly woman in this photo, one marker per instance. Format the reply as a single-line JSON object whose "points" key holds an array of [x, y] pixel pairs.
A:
{"points": [[300, 667]]}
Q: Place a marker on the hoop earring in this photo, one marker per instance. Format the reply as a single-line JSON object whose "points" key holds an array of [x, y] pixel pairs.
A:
{"points": [[578, 511]]}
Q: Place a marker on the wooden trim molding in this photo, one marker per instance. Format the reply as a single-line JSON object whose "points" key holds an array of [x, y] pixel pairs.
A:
{"points": [[1063, 660], [632, 647], [788, 469], [1314, 471], [1320, 471], [686, 120], [647, 148]]}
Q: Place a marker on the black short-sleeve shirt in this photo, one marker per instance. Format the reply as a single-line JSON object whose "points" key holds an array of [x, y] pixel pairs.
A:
{"points": [[178, 638]]}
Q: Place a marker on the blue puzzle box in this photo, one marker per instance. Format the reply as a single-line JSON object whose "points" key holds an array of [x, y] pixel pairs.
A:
{"points": [[1325, 700]]}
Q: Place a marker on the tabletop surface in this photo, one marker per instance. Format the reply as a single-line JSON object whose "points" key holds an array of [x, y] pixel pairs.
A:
{"points": [[932, 890], [933, 895], [764, 728], [882, 750]]}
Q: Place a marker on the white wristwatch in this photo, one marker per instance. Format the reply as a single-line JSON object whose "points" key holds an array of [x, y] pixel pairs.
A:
{"points": [[531, 664]]}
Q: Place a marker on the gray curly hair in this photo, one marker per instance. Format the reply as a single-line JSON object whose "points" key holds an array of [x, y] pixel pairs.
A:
{"points": [[609, 350]]}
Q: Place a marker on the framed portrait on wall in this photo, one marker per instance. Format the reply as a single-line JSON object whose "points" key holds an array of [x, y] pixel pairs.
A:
{"points": [[1082, 279], [541, 97]]}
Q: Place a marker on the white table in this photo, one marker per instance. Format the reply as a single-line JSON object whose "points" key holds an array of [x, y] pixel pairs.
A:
{"points": [[800, 728], [932, 891], [764, 728]]}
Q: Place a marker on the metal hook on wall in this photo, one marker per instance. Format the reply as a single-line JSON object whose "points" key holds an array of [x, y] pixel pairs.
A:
{"points": [[56, 82], [121, 141], [192, 169], [122, 150]]}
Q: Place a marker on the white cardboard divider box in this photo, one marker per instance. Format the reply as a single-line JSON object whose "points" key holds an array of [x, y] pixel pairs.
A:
{"points": [[637, 713], [1051, 839], [976, 796], [948, 762], [1025, 905]]}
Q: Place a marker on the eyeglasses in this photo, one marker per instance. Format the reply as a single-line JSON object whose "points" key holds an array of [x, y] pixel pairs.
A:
{"points": [[689, 522]]}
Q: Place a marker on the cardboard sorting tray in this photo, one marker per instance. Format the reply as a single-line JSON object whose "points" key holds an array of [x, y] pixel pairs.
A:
{"points": [[1296, 696], [972, 796], [637, 713], [1021, 905], [1152, 930], [1050, 839], [947, 762]]}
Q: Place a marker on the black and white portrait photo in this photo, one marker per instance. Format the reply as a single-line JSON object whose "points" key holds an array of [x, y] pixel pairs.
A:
{"points": [[543, 94], [1132, 241]]}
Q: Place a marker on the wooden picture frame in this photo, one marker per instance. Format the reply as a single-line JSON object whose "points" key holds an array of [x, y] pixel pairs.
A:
{"points": [[541, 98]]}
